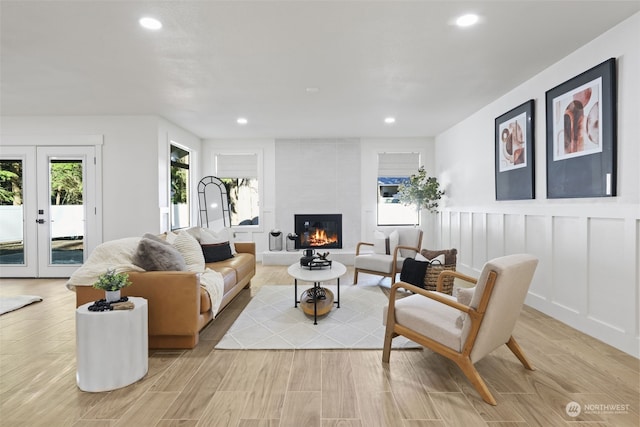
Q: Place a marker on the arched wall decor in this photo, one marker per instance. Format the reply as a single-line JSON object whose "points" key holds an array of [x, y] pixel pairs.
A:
{"points": [[213, 203]]}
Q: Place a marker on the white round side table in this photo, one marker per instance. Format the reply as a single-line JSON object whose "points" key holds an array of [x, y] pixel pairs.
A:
{"points": [[112, 347]]}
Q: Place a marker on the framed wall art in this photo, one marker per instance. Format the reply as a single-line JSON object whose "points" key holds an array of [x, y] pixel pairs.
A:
{"points": [[581, 135], [514, 145]]}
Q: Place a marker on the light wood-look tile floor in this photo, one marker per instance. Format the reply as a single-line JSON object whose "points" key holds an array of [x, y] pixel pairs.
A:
{"points": [[207, 387]]}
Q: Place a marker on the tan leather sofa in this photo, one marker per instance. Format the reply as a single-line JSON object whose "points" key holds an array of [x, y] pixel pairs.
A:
{"points": [[178, 306]]}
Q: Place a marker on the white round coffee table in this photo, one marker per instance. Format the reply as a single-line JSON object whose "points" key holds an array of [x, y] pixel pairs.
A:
{"points": [[316, 276]]}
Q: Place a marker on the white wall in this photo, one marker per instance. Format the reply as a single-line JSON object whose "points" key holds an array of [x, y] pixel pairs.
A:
{"points": [[588, 276], [133, 160]]}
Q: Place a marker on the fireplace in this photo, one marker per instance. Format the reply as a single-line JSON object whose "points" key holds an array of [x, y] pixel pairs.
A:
{"points": [[319, 231]]}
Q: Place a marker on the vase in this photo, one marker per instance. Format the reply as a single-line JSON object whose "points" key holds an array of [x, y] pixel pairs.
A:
{"points": [[112, 296]]}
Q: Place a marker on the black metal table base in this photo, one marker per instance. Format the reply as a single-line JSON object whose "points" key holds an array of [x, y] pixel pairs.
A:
{"points": [[316, 288]]}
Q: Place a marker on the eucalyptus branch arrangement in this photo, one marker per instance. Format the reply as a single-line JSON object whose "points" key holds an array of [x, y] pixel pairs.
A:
{"points": [[421, 191], [112, 281]]}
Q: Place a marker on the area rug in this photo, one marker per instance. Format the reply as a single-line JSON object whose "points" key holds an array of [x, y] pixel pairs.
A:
{"points": [[15, 302], [270, 321]]}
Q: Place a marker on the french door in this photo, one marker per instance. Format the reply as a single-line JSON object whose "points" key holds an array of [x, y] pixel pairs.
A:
{"points": [[48, 208]]}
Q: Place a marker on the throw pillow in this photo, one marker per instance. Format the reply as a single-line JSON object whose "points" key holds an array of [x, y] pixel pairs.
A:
{"points": [[152, 255], [419, 257], [394, 240], [413, 272], [438, 260], [216, 252], [208, 237], [171, 237], [380, 243], [195, 232], [190, 249], [450, 255], [463, 295], [155, 238]]}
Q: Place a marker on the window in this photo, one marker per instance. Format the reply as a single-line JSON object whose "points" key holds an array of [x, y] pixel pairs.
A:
{"points": [[393, 170], [180, 194], [239, 173]]}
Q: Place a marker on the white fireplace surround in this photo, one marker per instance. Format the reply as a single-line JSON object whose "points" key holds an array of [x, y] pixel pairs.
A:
{"points": [[319, 177]]}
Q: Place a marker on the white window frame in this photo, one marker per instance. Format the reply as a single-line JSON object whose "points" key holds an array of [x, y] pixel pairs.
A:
{"points": [[190, 185], [260, 176]]}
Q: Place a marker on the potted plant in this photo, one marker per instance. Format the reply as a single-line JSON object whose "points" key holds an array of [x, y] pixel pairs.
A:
{"points": [[421, 190], [111, 283]]}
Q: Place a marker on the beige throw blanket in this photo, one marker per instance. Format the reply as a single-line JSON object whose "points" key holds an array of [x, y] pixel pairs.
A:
{"points": [[117, 254], [213, 282]]}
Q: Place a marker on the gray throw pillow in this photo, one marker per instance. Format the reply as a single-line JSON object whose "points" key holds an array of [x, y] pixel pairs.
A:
{"points": [[153, 255]]}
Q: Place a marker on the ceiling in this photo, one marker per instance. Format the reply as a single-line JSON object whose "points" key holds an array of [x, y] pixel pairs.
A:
{"points": [[293, 69]]}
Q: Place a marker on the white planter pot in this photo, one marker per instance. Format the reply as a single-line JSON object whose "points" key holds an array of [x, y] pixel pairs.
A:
{"points": [[112, 296]]}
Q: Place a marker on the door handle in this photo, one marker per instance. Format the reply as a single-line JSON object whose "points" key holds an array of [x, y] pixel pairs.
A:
{"points": [[40, 221]]}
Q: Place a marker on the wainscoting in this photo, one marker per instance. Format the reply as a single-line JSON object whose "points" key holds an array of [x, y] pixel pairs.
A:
{"points": [[588, 272]]}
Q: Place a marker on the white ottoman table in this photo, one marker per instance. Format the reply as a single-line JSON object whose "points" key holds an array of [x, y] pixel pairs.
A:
{"points": [[112, 347]]}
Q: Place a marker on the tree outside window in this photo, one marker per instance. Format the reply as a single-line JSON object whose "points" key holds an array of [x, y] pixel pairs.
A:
{"points": [[66, 182], [11, 182], [243, 200], [180, 217]]}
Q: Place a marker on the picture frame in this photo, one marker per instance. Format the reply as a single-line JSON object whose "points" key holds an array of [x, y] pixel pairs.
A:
{"points": [[514, 153], [582, 134]]}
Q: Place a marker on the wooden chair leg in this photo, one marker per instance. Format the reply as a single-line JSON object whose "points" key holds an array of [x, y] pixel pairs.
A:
{"points": [[388, 336], [515, 349], [355, 276], [476, 380]]}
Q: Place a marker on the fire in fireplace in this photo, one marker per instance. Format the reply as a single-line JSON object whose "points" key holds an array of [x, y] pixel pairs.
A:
{"points": [[319, 231]]}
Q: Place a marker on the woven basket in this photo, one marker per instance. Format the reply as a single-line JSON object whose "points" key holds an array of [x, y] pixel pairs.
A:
{"points": [[431, 277]]}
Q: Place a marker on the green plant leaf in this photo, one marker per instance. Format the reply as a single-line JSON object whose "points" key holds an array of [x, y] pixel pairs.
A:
{"points": [[112, 281], [421, 191]]}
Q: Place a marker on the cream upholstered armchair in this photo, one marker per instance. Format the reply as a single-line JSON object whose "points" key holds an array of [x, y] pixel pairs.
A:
{"points": [[389, 252], [467, 328]]}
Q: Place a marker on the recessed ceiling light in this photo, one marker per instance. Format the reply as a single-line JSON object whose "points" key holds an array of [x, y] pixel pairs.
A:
{"points": [[150, 23], [312, 89], [242, 121], [390, 120], [467, 20]]}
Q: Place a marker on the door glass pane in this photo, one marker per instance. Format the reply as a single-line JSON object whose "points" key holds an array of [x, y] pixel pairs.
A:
{"points": [[11, 213], [66, 212]]}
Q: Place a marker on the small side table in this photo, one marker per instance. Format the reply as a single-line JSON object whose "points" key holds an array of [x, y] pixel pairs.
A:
{"points": [[316, 276], [112, 347]]}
